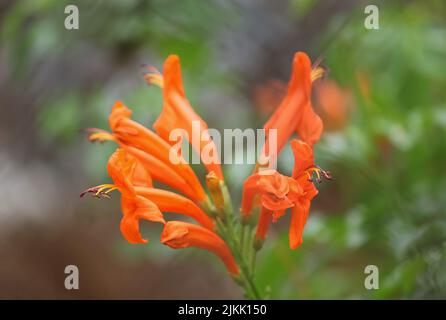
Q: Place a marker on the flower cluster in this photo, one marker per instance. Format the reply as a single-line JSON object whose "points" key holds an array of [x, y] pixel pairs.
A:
{"points": [[143, 156]]}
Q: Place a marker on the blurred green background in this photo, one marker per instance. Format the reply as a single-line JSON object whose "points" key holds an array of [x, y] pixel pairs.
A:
{"points": [[385, 206]]}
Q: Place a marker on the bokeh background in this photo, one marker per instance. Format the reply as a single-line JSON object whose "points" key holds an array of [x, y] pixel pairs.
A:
{"points": [[383, 103]]}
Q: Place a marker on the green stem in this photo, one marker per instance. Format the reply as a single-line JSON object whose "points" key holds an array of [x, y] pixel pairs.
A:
{"points": [[242, 235], [248, 283], [225, 226], [247, 245], [253, 261]]}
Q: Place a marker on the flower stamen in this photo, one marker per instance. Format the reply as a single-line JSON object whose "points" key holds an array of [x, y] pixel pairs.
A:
{"points": [[98, 191], [153, 76], [317, 73], [95, 134], [320, 173]]}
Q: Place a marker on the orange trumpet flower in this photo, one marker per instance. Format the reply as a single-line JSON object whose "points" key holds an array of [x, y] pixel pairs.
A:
{"points": [[279, 192], [122, 169], [273, 189], [134, 207], [178, 113], [295, 113], [177, 235], [152, 151]]}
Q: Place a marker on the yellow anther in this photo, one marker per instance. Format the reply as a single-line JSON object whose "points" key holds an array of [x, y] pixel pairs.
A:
{"points": [[317, 73], [101, 136], [98, 191], [154, 78], [318, 174], [111, 189], [105, 187]]}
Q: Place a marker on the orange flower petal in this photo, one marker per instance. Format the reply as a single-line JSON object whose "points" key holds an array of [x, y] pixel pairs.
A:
{"points": [[273, 203], [249, 192], [299, 215], [296, 189], [295, 113], [311, 126], [273, 188], [273, 183], [120, 170], [263, 224], [278, 214], [303, 160], [141, 177], [303, 157], [178, 113], [172, 202], [133, 210], [177, 234], [162, 172]]}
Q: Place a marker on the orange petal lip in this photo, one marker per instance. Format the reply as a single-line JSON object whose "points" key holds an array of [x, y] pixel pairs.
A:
{"points": [[273, 188], [178, 234], [273, 203], [121, 169], [135, 209], [299, 216], [303, 157]]}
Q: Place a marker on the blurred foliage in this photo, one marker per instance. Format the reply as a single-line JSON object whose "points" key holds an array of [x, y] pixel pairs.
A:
{"points": [[386, 204]]}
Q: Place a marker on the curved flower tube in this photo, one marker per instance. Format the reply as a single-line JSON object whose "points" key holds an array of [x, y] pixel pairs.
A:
{"points": [[172, 202], [295, 113], [178, 113], [178, 235], [134, 207]]}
